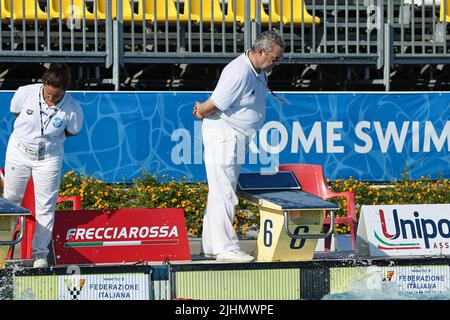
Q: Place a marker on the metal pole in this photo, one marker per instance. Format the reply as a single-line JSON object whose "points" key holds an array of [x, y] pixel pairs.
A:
{"points": [[116, 63], [109, 37], [258, 15], [387, 56], [380, 33], [118, 42], [247, 25]]}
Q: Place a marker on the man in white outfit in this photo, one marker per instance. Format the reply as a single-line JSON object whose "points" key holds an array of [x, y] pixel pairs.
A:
{"points": [[231, 116], [46, 114]]}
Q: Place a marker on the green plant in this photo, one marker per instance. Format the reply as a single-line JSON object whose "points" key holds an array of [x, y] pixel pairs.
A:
{"points": [[151, 191]]}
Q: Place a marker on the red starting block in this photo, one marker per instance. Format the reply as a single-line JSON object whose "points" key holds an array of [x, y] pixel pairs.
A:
{"points": [[28, 202]]}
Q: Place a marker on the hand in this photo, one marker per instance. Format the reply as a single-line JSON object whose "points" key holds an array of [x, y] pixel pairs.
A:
{"points": [[195, 111]]}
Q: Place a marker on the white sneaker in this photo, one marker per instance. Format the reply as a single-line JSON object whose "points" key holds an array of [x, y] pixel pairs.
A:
{"points": [[40, 263], [235, 256]]}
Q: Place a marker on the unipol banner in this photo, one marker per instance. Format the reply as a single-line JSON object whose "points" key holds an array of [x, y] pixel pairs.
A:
{"points": [[368, 136], [404, 230]]}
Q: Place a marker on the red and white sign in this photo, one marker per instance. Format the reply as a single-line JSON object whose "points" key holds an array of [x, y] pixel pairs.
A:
{"points": [[404, 230], [120, 236]]}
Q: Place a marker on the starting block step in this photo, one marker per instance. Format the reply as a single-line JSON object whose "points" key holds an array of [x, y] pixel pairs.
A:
{"points": [[9, 212]]}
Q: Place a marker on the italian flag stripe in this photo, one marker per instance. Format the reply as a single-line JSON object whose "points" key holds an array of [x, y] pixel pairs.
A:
{"points": [[396, 245], [397, 248], [120, 243]]}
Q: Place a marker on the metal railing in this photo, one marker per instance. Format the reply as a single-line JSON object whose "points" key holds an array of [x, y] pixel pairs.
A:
{"points": [[118, 32], [48, 31]]}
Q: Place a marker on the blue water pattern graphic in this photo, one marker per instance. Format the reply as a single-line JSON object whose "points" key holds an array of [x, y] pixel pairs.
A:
{"points": [[368, 136]]}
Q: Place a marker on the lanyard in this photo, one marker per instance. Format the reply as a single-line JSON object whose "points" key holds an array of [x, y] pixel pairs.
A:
{"points": [[44, 125], [259, 79], [264, 83], [279, 99]]}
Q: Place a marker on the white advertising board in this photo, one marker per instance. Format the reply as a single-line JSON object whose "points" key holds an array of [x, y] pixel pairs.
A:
{"points": [[427, 282], [119, 286], [404, 230]]}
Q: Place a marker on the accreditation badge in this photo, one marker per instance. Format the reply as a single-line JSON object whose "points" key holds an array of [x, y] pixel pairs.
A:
{"points": [[41, 150]]}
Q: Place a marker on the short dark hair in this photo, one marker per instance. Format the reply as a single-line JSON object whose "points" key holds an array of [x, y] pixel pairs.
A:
{"points": [[58, 75]]}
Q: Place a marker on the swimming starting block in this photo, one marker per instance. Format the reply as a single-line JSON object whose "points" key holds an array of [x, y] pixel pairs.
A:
{"points": [[9, 212], [283, 205]]}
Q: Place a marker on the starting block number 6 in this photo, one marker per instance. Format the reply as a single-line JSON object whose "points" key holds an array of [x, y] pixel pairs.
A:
{"points": [[268, 225], [268, 237]]}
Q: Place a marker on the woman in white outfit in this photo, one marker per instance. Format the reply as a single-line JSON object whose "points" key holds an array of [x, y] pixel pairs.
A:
{"points": [[231, 116], [46, 114]]}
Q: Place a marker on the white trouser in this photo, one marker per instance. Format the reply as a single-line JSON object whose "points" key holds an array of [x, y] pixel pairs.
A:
{"points": [[225, 150], [19, 165]]}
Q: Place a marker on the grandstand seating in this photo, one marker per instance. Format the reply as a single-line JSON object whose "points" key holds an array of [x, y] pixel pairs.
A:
{"points": [[172, 15], [294, 12], [209, 11], [444, 10], [14, 9], [127, 11], [240, 11], [66, 9], [350, 32], [63, 9]]}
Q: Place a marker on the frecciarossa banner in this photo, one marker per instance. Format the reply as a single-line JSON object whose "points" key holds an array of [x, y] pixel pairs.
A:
{"points": [[367, 136], [118, 236], [404, 230]]}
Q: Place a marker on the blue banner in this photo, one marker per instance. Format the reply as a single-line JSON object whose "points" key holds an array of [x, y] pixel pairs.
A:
{"points": [[368, 136]]}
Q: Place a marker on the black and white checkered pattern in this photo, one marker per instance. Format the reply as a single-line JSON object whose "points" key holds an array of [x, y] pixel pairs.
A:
{"points": [[74, 289], [74, 293]]}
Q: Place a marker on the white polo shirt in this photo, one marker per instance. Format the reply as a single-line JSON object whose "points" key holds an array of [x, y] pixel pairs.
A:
{"points": [[67, 115], [240, 95]]}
